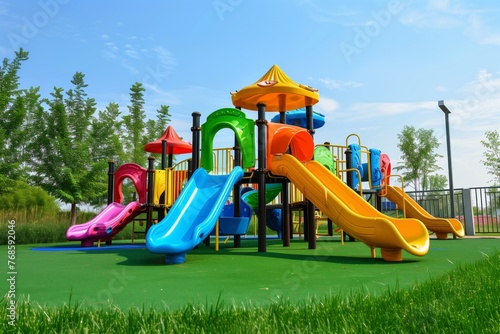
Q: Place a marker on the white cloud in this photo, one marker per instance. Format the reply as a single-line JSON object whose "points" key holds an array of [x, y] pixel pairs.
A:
{"points": [[439, 4], [473, 112], [130, 68], [479, 105], [319, 13], [429, 19], [111, 45], [164, 56], [132, 54], [371, 110], [326, 106], [445, 14], [481, 32], [154, 63], [339, 84]]}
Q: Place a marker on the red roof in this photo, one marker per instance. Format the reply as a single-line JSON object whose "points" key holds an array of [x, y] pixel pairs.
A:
{"points": [[175, 145]]}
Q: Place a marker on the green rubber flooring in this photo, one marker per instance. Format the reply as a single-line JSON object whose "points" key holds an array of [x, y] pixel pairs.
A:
{"points": [[123, 275]]}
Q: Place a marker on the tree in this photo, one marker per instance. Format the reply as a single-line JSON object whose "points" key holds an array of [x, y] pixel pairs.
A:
{"points": [[25, 135], [418, 156], [12, 115], [492, 154], [65, 166], [105, 140], [437, 182], [104, 144], [135, 125], [155, 128], [80, 110]]}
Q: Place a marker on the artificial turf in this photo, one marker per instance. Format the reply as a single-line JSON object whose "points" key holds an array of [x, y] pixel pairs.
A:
{"points": [[132, 276]]}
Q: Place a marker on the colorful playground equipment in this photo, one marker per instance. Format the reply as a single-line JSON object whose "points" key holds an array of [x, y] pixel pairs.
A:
{"points": [[440, 226], [350, 211], [273, 212], [288, 168], [115, 216], [193, 215], [228, 224], [166, 188], [298, 117]]}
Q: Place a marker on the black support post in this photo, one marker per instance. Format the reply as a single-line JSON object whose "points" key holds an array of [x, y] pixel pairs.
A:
{"points": [[195, 129], [164, 154], [348, 166], [111, 181], [310, 208], [286, 221], [261, 175], [149, 204], [237, 190]]}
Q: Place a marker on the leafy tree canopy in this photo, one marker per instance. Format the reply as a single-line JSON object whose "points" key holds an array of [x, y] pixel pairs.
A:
{"points": [[492, 154], [418, 148]]}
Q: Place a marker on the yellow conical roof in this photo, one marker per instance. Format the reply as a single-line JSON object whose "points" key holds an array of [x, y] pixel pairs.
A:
{"points": [[277, 91]]}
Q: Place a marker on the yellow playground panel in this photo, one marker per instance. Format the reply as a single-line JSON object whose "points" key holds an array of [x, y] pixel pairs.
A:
{"points": [[169, 182]]}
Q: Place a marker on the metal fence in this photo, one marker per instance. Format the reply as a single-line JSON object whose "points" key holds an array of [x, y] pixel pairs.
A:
{"points": [[487, 199], [481, 205]]}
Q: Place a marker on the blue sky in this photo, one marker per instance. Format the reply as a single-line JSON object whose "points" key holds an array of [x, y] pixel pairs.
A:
{"points": [[378, 65]]}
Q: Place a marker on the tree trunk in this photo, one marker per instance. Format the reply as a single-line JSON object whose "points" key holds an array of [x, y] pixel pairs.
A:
{"points": [[73, 214]]}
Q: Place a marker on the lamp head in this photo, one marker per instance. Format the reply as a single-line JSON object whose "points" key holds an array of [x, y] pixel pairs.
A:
{"points": [[443, 107]]}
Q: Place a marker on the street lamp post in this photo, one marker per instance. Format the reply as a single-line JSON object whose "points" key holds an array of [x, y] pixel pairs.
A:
{"points": [[447, 112]]}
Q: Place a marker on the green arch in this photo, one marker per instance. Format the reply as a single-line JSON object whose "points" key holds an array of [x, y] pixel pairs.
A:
{"points": [[228, 118]]}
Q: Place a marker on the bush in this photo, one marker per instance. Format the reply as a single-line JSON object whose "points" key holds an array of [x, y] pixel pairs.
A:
{"points": [[18, 195]]}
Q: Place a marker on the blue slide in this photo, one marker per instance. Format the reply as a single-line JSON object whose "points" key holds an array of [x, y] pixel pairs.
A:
{"points": [[193, 215]]}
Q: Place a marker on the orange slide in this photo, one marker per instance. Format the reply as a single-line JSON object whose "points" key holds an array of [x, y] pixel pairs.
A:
{"points": [[352, 212], [440, 226]]}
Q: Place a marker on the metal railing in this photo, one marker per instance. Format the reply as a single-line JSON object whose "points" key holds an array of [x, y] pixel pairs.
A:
{"points": [[487, 213], [482, 202]]}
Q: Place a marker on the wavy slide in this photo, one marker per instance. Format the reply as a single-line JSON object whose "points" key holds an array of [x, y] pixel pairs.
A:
{"points": [[252, 196], [351, 212], [111, 220], [192, 216], [440, 226]]}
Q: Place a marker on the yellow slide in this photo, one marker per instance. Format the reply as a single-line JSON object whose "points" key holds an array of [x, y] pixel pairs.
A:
{"points": [[351, 212], [440, 226]]}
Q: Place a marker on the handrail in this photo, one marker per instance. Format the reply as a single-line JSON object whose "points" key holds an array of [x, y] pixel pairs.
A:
{"points": [[351, 135], [383, 190], [359, 176]]}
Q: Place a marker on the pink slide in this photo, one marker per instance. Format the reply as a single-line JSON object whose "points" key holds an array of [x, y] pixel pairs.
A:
{"points": [[105, 225]]}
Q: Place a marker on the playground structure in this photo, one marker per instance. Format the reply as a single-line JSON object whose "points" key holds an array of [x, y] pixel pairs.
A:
{"points": [[115, 216], [166, 185], [328, 182]]}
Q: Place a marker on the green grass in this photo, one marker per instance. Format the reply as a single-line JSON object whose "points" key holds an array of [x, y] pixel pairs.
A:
{"points": [[335, 289], [128, 277], [464, 300]]}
